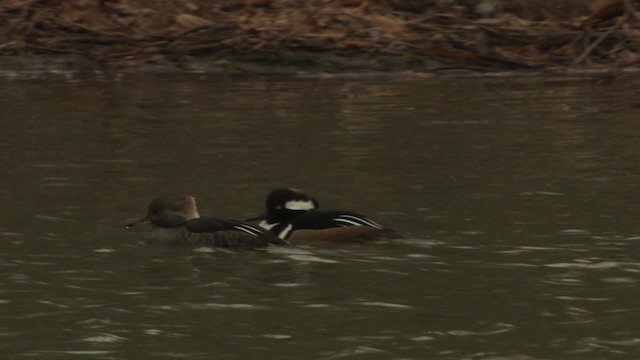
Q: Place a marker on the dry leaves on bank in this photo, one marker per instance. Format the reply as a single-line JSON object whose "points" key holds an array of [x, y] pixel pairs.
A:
{"points": [[134, 32]]}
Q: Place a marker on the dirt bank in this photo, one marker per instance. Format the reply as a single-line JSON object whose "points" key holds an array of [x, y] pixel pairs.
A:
{"points": [[315, 35]]}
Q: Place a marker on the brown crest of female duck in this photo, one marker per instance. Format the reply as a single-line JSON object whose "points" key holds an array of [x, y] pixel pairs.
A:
{"points": [[296, 217], [176, 221]]}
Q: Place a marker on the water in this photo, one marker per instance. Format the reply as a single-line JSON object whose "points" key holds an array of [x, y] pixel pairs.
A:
{"points": [[519, 198]]}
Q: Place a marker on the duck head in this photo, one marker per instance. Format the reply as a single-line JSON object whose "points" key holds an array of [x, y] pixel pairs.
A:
{"points": [[169, 211], [282, 205]]}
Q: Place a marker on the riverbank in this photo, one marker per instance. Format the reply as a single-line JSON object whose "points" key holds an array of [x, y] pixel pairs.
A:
{"points": [[271, 36]]}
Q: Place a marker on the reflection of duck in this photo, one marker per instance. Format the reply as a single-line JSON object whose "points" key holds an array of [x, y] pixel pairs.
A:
{"points": [[175, 220], [295, 216]]}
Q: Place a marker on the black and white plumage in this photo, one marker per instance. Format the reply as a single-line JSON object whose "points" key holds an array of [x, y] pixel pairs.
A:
{"points": [[175, 220], [295, 216]]}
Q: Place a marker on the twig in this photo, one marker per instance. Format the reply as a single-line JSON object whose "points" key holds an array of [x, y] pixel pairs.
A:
{"points": [[71, 24], [63, 51], [631, 11], [87, 39], [593, 45], [192, 30]]}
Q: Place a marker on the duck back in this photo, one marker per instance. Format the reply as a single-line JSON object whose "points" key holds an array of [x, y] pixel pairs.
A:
{"points": [[215, 232]]}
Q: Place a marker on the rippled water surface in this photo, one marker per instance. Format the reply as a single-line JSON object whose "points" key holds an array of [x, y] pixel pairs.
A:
{"points": [[519, 198]]}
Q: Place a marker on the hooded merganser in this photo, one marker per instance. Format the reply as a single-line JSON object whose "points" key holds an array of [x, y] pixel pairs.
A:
{"points": [[295, 216], [175, 220]]}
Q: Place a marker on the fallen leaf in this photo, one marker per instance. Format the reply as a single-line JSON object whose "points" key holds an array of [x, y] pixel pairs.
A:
{"points": [[189, 21], [387, 23], [605, 9], [14, 4], [305, 24], [258, 3], [191, 6], [627, 57], [490, 21]]}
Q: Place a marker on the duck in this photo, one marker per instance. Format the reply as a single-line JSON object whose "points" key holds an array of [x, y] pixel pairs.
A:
{"points": [[175, 220], [296, 217]]}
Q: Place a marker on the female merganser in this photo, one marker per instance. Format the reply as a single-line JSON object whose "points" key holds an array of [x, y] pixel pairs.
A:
{"points": [[175, 220]]}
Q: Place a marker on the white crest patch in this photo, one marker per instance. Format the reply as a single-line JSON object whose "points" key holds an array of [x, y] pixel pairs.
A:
{"points": [[299, 205]]}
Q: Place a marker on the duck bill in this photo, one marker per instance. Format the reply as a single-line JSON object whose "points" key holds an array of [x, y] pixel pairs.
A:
{"points": [[141, 221], [263, 216]]}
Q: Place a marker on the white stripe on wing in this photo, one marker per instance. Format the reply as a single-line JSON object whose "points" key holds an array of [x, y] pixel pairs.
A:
{"points": [[359, 220], [249, 229]]}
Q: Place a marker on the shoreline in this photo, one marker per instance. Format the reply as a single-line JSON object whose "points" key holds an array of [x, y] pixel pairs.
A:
{"points": [[20, 66], [318, 37]]}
